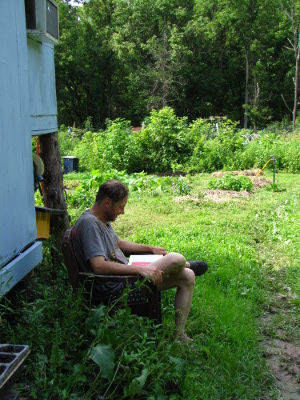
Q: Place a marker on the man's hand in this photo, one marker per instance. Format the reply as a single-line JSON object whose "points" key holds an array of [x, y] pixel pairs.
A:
{"points": [[159, 250], [152, 272], [102, 267]]}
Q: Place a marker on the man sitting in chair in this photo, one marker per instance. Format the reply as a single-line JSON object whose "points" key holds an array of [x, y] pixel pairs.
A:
{"points": [[98, 248]]}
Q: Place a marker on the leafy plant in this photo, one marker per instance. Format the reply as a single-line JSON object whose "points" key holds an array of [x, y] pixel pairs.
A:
{"points": [[232, 182], [164, 140]]}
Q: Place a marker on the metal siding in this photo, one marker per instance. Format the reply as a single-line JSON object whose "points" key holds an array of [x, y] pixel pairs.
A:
{"points": [[17, 213]]}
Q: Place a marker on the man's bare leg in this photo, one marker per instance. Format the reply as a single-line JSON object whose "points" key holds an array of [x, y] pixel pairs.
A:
{"points": [[177, 275]]}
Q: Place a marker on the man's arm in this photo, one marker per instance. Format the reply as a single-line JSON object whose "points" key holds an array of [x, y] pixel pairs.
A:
{"points": [[136, 248], [102, 267]]}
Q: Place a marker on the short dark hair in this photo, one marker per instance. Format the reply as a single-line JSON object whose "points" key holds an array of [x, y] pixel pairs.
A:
{"points": [[113, 189]]}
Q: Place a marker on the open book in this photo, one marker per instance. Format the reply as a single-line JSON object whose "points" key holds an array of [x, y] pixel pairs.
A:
{"points": [[143, 259]]}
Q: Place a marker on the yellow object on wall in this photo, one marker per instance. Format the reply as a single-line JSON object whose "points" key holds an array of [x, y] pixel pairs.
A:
{"points": [[42, 223]]}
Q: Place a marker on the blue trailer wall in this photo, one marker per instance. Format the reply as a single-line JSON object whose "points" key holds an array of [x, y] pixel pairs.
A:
{"points": [[27, 107]]}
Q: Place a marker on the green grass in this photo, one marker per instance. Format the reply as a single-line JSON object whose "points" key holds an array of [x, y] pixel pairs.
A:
{"points": [[252, 247]]}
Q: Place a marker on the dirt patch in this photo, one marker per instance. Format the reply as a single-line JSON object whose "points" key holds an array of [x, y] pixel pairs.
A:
{"points": [[221, 196], [218, 196], [284, 360], [246, 172], [186, 198], [282, 350], [260, 182]]}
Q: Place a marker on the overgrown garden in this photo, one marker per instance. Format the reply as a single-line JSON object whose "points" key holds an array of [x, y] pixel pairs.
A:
{"points": [[169, 143]]}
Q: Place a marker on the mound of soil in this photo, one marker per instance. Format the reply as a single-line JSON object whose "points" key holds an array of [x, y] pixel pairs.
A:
{"points": [[220, 196], [247, 172], [259, 182]]}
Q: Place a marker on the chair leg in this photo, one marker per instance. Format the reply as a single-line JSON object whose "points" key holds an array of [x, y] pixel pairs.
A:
{"points": [[154, 306]]}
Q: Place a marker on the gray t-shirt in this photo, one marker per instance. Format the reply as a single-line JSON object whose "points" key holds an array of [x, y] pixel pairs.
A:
{"points": [[92, 238]]}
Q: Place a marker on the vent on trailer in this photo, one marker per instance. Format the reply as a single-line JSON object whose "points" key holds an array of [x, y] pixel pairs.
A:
{"points": [[42, 20]]}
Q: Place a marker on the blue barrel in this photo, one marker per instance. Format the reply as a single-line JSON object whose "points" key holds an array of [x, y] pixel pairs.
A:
{"points": [[70, 164]]}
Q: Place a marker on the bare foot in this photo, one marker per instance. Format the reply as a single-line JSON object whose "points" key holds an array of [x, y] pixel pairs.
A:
{"points": [[185, 339]]}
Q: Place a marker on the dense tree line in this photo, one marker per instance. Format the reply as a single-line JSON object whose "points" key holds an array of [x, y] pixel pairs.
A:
{"points": [[123, 58]]}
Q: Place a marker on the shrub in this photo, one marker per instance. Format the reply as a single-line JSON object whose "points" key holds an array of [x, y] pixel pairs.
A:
{"points": [[90, 151], [117, 151], [164, 141], [291, 155], [232, 182], [258, 152], [68, 140], [214, 145]]}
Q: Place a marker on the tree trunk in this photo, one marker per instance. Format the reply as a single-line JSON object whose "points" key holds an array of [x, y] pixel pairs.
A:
{"points": [[295, 47], [246, 90], [297, 55], [53, 192]]}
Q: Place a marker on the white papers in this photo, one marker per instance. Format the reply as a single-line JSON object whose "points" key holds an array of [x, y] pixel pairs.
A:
{"points": [[143, 259]]}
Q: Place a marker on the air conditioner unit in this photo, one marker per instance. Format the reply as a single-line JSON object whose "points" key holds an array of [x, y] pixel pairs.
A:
{"points": [[42, 20]]}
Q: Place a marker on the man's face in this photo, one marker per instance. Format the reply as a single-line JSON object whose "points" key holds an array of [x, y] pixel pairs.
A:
{"points": [[115, 209]]}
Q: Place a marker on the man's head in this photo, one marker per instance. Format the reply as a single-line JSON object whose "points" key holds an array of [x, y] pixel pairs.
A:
{"points": [[113, 189], [111, 200]]}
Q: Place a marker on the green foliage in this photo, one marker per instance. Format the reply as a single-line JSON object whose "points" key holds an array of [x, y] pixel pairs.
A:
{"points": [[164, 141], [258, 152], [83, 195], [90, 151], [290, 155], [167, 144], [88, 124], [120, 150], [232, 182], [103, 356], [91, 353], [215, 145], [68, 140]]}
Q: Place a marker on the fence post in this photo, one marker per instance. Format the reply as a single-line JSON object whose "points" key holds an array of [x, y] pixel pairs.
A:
{"points": [[273, 159]]}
